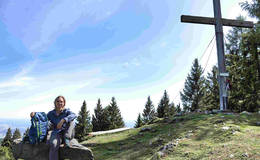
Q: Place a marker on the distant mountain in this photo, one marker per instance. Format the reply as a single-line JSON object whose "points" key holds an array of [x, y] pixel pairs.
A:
{"points": [[21, 124]]}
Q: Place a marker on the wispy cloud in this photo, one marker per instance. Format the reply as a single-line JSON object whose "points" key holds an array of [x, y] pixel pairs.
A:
{"points": [[44, 21]]}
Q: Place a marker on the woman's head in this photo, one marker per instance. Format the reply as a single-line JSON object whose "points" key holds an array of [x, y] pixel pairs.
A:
{"points": [[59, 103]]}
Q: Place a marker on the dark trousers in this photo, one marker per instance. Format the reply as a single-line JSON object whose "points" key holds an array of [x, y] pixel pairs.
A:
{"points": [[56, 138]]}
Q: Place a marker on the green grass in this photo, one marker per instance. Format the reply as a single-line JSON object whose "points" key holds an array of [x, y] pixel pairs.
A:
{"points": [[206, 140]]}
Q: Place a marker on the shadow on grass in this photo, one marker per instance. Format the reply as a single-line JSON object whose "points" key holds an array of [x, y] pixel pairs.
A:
{"points": [[142, 145]]}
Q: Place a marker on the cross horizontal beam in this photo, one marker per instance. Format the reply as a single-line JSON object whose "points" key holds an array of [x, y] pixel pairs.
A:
{"points": [[212, 21]]}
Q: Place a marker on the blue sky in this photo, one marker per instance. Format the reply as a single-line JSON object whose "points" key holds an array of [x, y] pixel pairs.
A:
{"points": [[90, 49]]}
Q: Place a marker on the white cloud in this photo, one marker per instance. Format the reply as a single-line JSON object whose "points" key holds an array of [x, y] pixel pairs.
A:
{"points": [[18, 82]]}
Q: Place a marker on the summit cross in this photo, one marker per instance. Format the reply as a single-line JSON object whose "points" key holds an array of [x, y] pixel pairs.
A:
{"points": [[219, 22]]}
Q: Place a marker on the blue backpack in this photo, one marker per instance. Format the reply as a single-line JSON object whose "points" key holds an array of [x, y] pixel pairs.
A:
{"points": [[38, 129]]}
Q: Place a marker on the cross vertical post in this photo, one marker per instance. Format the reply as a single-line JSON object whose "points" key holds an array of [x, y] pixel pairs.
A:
{"points": [[219, 22], [221, 53]]}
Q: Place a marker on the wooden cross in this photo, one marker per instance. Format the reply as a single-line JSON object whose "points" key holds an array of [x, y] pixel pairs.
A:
{"points": [[219, 22]]}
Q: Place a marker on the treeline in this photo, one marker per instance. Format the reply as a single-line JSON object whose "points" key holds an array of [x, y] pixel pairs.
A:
{"points": [[163, 110], [103, 119]]}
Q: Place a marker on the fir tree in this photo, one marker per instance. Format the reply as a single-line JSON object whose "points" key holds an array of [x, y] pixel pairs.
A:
{"points": [[139, 121], [7, 141], [172, 109], [178, 108], [252, 8], [83, 125], [26, 133], [149, 111], [211, 94], [115, 118], [106, 121], [244, 66], [163, 107], [98, 120], [193, 89], [16, 134]]}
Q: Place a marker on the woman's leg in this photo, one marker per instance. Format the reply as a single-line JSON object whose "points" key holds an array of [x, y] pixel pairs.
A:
{"points": [[70, 131], [55, 142]]}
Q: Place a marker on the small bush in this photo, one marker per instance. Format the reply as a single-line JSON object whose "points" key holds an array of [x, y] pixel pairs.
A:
{"points": [[5, 154]]}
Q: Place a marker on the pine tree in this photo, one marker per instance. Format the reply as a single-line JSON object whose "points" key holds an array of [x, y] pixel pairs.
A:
{"points": [[98, 120], [193, 90], [252, 8], [115, 118], [211, 94], [244, 66], [149, 111], [178, 108], [26, 133], [7, 141], [172, 109], [139, 121], [106, 121], [16, 134], [164, 106], [83, 125]]}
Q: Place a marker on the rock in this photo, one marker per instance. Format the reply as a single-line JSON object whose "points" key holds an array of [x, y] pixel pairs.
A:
{"points": [[245, 112], [41, 151], [189, 135], [257, 123], [245, 155], [176, 120], [161, 154], [229, 113], [207, 112], [145, 129], [215, 111], [225, 128], [219, 121], [198, 111], [258, 112], [231, 156]]}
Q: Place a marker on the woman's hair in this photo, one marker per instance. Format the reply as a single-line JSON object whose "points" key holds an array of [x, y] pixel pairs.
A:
{"points": [[58, 98]]}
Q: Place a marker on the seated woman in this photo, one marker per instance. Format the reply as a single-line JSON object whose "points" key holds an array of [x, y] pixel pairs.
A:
{"points": [[61, 120]]}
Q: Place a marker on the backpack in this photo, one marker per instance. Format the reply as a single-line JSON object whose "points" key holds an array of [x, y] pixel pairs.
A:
{"points": [[38, 129]]}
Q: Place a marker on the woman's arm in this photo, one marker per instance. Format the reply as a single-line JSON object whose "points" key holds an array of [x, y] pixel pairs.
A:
{"points": [[70, 116]]}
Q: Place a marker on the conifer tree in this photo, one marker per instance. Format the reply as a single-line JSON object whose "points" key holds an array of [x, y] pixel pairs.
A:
{"points": [[211, 94], [83, 125], [106, 121], [178, 108], [139, 121], [16, 134], [26, 133], [98, 119], [193, 89], [163, 107], [115, 118], [7, 141], [252, 8], [172, 109], [149, 111], [244, 65]]}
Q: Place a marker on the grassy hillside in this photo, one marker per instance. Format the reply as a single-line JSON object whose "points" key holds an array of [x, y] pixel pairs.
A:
{"points": [[194, 136]]}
